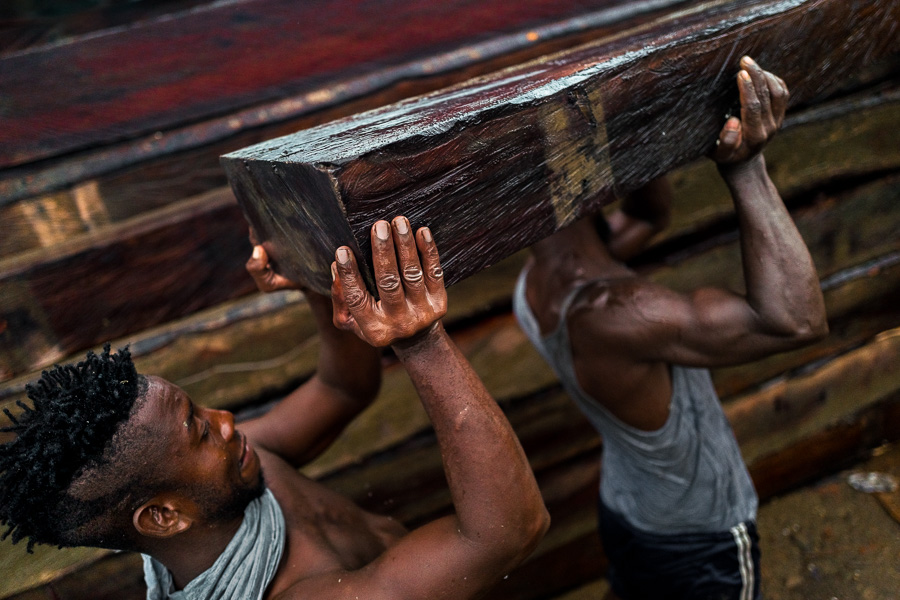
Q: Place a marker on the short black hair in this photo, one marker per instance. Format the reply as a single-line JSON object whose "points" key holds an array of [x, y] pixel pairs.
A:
{"points": [[76, 411]]}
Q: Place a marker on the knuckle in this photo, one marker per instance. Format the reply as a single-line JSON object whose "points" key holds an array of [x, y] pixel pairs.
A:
{"points": [[389, 282], [354, 298], [753, 105], [436, 272], [412, 274]]}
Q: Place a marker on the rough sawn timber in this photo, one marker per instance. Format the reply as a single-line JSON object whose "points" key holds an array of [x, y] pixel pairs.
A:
{"points": [[502, 161], [182, 81]]}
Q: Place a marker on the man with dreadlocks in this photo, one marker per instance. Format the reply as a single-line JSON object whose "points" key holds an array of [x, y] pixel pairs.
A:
{"points": [[110, 458]]}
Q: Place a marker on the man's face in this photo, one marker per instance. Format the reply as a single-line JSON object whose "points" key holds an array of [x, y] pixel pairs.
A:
{"points": [[205, 458]]}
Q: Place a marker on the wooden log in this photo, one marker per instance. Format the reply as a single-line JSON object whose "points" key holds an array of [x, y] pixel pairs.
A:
{"points": [[47, 219], [238, 70], [855, 130], [503, 161], [795, 408], [109, 577]]}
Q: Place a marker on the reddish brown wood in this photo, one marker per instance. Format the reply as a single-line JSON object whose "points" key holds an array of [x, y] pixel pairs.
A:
{"points": [[232, 66], [146, 272], [132, 277], [498, 163], [828, 450]]}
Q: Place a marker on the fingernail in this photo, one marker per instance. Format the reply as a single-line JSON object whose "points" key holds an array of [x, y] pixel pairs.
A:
{"points": [[257, 251], [749, 60], [402, 225], [426, 234], [745, 75], [343, 255], [381, 230]]}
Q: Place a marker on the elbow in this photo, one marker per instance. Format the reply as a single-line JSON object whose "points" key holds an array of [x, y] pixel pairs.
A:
{"points": [[796, 327], [543, 525], [538, 526], [802, 333], [820, 330], [532, 530], [811, 329]]}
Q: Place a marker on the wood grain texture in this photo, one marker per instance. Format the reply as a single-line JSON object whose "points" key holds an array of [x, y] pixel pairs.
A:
{"points": [[504, 160], [190, 256], [124, 280], [212, 71]]}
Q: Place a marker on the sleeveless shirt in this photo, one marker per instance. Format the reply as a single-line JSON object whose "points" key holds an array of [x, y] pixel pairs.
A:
{"points": [[686, 477]]}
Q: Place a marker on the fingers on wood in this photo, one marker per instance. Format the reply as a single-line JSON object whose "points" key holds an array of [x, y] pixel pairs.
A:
{"points": [[384, 263], [413, 278]]}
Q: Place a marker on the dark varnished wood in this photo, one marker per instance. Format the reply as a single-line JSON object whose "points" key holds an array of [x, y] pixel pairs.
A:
{"points": [[209, 72], [48, 299], [124, 280], [502, 161]]}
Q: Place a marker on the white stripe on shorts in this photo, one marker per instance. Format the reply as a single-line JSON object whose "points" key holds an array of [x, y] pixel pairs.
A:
{"points": [[745, 560]]}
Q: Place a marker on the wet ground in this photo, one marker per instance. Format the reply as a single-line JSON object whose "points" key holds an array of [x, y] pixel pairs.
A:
{"points": [[826, 541], [831, 541]]}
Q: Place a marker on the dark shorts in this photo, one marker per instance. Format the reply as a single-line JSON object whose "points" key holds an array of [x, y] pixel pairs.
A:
{"points": [[699, 566]]}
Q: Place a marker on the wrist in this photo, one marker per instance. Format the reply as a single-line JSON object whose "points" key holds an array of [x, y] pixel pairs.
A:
{"points": [[751, 168], [424, 340]]}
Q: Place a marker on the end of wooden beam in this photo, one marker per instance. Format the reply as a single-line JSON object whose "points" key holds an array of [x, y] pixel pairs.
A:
{"points": [[295, 213]]}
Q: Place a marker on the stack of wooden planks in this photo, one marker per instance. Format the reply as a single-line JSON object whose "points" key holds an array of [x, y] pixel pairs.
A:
{"points": [[117, 223]]}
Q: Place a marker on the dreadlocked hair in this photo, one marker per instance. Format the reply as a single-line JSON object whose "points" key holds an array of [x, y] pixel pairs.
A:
{"points": [[76, 411]]}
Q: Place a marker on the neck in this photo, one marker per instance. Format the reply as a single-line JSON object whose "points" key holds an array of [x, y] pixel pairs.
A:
{"points": [[574, 247], [192, 552]]}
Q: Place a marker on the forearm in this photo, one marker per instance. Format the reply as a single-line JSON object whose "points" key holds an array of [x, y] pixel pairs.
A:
{"points": [[346, 363], [781, 280], [491, 483]]}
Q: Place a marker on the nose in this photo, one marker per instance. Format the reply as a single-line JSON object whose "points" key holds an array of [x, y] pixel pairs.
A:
{"points": [[224, 421]]}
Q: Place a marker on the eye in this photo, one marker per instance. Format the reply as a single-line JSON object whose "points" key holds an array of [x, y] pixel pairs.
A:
{"points": [[205, 430]]}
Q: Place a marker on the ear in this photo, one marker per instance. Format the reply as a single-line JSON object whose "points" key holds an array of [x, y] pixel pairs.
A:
{"points": [[163, 516]]}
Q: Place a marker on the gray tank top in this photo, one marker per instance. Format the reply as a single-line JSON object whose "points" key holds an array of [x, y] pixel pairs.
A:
{"points": [[687, 476]]}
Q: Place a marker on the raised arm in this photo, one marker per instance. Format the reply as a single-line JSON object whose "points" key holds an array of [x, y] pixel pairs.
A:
{"points": [[641, 215], [347, 379], [499, 515], [783, 306]]}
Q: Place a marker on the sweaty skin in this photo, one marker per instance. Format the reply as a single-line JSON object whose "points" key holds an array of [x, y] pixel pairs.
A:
{"points": [[334, 549]]}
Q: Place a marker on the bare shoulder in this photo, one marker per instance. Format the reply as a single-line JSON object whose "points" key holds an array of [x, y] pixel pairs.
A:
{"points": [[625, 314], [609, 304]]}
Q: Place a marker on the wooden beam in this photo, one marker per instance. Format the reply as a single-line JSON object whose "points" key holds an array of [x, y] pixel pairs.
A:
{"points": [[856, 130], [498, 163], [166, 269]]}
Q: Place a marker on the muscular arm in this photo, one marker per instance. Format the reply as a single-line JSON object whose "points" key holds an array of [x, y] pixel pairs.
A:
{"points": [[499, 515], [347, 379], [783, 306]]}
